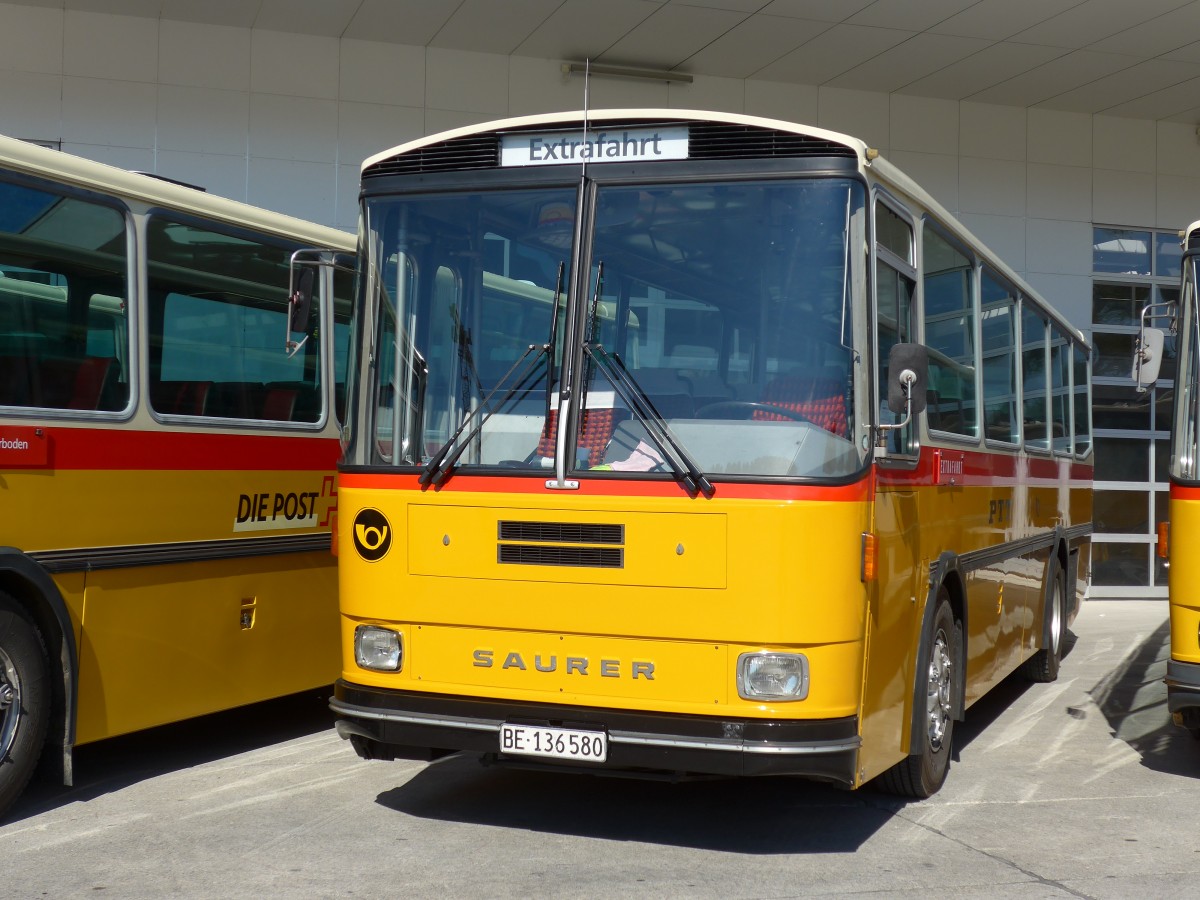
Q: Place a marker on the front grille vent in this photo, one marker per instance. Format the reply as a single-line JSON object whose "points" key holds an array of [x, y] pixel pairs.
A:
{"points": [[542, 544], [562, 532], [548, 555], [707, 140], [475, 151], [722, 140]]}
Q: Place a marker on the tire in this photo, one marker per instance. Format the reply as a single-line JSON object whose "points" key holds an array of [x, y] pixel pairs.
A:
{"points": [[1043, 666], [24, 700], [923, 771]]}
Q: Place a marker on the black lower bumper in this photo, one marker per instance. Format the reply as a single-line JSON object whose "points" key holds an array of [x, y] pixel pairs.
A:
{"points": [[1183, 686], [388, 724]]}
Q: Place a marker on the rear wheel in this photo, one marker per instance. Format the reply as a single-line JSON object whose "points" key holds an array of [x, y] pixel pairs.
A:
{"points": [[1043, 666], [924, 771], [24, 696]]}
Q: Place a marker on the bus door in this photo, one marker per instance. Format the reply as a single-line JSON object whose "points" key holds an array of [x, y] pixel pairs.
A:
{"points": [[898, 591]]}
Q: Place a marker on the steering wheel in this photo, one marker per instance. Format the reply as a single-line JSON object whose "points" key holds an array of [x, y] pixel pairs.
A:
{"points": [[749, 407]]}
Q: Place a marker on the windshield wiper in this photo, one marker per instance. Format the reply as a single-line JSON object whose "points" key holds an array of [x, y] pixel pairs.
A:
{"points": [[683, 467], [442, 463], [550, 343]]}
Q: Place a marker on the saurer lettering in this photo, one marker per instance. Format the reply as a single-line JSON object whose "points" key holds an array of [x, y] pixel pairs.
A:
{"points": [[570, 665]]}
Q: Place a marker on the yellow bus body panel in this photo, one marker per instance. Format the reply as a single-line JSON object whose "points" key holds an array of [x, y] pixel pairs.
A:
{"points": [[162, 643], [1185, 581], [166, 643], [689, 614]]}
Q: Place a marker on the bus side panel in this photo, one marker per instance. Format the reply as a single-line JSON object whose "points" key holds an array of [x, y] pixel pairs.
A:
{"points": [[174, 646], [897, 600], [986, 591], [165, 643], [1185, 581], [141, 508]]}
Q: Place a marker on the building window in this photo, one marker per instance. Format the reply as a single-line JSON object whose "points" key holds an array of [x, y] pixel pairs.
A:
{"points": [[1131, 267]]}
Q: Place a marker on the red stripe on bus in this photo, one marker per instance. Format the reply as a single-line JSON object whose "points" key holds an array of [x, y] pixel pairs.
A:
{"points": [[114, 449], [858, 491], [977, 468], [1184, 492]]}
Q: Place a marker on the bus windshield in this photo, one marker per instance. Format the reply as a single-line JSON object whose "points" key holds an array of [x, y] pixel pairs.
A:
{"points": [[726, 304]]}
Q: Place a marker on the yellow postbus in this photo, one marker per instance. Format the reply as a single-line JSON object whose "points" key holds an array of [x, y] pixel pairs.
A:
{"points": [[695, 443], [168, 442], [1182, 357]]}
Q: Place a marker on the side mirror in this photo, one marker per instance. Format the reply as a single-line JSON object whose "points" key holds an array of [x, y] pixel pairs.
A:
{"points": [[1147, 357], [908, 379], [299, 307], [300, 301]]}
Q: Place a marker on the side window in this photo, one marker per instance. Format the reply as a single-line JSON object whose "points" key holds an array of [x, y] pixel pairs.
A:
{"points": [[397, 400], [999, 321], [895, 283], [64, 331], [343, 305], [1033, 379], [217, 322], [1060, 391], [948, 278], [1187, 403], [1083, 401]]}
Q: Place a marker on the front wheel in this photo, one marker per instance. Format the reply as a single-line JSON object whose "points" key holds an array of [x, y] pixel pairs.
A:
{"points": [[923, 771], [24, 696]]}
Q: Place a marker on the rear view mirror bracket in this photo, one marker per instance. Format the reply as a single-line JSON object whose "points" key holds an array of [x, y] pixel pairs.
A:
{"points": [[302, 269]]}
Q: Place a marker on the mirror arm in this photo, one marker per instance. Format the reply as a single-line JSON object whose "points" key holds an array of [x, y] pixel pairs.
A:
{"points": [[907, 378]]}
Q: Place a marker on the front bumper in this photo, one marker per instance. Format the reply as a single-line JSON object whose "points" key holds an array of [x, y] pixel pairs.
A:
{"points": [[424, 726], [1183, 686]]}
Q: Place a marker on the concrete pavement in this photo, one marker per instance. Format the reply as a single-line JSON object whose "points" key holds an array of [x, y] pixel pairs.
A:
{"points": [[1079, 788]]}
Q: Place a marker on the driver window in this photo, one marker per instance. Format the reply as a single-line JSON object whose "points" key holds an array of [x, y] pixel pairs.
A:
{"points": [[895, 280]]}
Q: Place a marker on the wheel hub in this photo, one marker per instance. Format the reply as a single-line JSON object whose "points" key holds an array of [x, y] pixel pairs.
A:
{"points": [[938, 701], [10, 703]]}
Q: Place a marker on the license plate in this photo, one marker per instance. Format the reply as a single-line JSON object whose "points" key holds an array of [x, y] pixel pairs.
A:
{"points": [[553, 743]]}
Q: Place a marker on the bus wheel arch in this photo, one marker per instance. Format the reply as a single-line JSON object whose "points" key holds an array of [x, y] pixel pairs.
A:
{"points": [[937, 685], [34, 592], [24, 708]]}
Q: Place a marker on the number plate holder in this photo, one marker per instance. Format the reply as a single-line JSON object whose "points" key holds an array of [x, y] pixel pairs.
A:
{"points": [[552, 742]]}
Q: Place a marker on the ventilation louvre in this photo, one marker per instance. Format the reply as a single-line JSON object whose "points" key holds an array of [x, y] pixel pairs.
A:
{"points": [[541, 544], [561, 532], [549, 555]]}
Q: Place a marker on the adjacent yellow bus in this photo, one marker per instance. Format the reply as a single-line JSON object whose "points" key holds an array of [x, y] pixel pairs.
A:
{"points": [[692, 443], [1182, 356], [168, 443]]}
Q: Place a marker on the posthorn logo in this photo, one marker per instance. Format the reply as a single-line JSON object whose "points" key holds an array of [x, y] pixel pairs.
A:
{"points": [[372, 535]]}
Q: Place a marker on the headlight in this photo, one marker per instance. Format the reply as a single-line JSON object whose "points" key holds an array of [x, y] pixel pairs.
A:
{"points": [[377, 648], [772, 676]]}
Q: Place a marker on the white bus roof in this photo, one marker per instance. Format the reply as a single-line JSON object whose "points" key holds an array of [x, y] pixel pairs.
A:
{"points": [[65, 168]]}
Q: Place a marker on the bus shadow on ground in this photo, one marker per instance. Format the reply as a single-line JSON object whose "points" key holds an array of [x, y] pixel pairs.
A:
{"points": [[752, 815], [1133, 698], [766, 815], [117, 763], [992, 705]]}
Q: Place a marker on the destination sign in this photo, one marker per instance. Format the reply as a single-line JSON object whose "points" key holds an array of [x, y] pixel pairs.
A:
{"points": [[559, 148]]}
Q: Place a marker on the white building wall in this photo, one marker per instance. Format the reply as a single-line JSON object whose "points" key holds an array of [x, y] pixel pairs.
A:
{"points": [[283, 120]]}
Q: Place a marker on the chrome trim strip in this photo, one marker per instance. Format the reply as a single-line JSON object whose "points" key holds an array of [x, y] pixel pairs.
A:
{"points": [[728, 745], [464, 723], [87, 559], [735, 744]]}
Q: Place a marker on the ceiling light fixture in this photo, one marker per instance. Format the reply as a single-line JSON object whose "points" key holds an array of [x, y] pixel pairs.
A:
{"points": [[578, 68]]}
